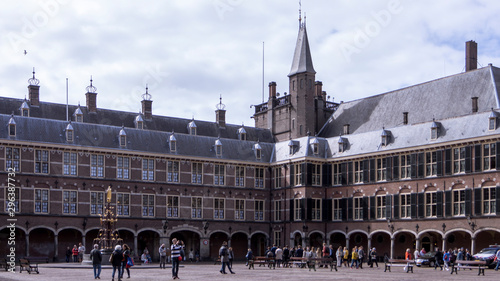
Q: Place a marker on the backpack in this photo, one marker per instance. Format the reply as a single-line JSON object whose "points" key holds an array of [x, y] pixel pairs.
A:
{"points": [[223, 251]]}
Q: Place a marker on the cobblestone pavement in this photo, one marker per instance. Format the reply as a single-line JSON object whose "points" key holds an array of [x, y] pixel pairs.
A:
{"points": [[209, 272]]}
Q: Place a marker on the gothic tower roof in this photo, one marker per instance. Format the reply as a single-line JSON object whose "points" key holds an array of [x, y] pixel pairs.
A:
{"points": [[302, 60]]}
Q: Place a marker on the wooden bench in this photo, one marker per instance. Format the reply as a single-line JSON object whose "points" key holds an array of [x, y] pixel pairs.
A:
{"points": [[325, 262], [298, 262], [28, 266], [262, 260], [480, 265], [407, 264]]}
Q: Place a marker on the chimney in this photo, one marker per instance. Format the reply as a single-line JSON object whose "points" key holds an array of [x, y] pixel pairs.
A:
{"points": [[147, 105], [405, 118], [346, 129], [220, 113], [319, 88], [470, 55], [34, 90], [474, 104], [272, 90], [91, 98]]}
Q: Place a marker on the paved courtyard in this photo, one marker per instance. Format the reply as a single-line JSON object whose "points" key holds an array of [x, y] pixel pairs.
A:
{"points": [[209, 272]]}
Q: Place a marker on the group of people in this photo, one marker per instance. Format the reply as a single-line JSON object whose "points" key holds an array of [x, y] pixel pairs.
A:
{"points": [[75, 254], [120, 259]]}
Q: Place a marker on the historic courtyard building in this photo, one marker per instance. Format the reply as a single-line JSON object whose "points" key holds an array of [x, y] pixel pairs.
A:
{"points": [[415, 167]]}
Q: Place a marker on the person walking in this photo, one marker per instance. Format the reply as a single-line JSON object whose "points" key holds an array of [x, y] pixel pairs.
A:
{"points": [[175, 256], [279, 256], [339, 254], [116, 261], [224, 258], [354, 257], [346, 257], [249, 256], [286, 256], [373, 257], [75, 253], [96, 257], [81, 251], [497, 257], [447, 259], [230, 255], [126, 256], [361, 256], [438, 258], [163, 255]]}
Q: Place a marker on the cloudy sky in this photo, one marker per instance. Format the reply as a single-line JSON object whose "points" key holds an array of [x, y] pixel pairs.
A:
{"points": [[190, 52]]}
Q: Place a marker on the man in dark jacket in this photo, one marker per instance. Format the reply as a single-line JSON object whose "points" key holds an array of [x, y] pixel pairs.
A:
{"points": [[116, 260], [96, 257], [438, 257]]}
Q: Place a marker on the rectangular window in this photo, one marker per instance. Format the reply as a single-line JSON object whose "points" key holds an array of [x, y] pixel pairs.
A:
{"points": [[459, 160], [70, 163], [219, 172], [197, 173], [489, 200], [337, 174], [173, 171], [12, 159], [172, 206], [41, 161], [430, 204], [316, 175], [122, 167], [277, 210], [430, 164], [123, 204], [218, 208], [70, 202], [14, 200], [259, 210], [239, 209], [297, 207], [41, 201], [259, 177], [489, 156], [459, 202], [336, 209], [196, 207], [381, 205], [358, 171], [97, 165], [277, 238], [239, 176], [96, 203], [405, 205], [277, 177], [298, 174], [358, 208], [148, 205], [148, 169], [316, 209], [405, 164], [381, 169]]}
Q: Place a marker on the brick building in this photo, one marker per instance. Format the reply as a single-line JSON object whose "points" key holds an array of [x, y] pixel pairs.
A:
{"points": [[415, 167]]}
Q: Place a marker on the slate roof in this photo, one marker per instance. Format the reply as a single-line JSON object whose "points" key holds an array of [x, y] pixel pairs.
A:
{"points": [[443, 98], [302, 60]]}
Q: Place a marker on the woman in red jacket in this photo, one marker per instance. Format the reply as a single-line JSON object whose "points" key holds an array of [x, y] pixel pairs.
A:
{"points": [[75, 253]]}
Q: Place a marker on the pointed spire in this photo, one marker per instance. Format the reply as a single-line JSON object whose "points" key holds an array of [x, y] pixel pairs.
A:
{"points": [[302, 60]]}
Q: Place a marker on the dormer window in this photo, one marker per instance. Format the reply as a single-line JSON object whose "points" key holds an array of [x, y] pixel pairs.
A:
{"points": [[492, 121], [78, 114], [12, 127], [139, 122], [218, 148], [123, 137], [292, 147], [315, 146], [342, 144], [69, 133], [192, 128], [258, 151], [25, 109], [434, 130], [173, 143], [385, 137], [242, 133]]}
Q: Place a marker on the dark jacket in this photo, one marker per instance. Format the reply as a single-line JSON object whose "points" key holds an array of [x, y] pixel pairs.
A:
{"points": [[126, 255], [96, 256], [117, 258]]}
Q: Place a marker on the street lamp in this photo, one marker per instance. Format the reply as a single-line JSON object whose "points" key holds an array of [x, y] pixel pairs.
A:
{"points": [[165, 226], [205, 226]]}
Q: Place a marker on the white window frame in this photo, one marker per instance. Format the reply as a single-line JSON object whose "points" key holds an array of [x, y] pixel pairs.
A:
{"points": [[277, 210], [405, 205], [458, 202], [123, 204], [431, 163], [358, 171], [239, 176], [316, 174], [405, 166], [219, 208], [430, 204], [148, 169], [96, 203], [357, 208], [381, 169], [70, 163], [196, 207], [259, 177], [336, 209], [317, 208], [197, 172], [13, 158], [380, 201], [489, 200], [148, 205], [123, 167], [173, 206], [459, 160], [97, 165], [41, 201], [42, 160], [239, 209], [489, 156], [173, 168], [259, 210], [219, 174], [70, 202]]}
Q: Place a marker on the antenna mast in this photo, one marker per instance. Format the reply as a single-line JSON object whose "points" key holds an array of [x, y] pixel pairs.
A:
{"points": [[263, 72]]}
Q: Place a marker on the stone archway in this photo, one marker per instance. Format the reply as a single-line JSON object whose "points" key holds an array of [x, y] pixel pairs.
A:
{"points": [[20, 238], [149, 240], [191, 241], [297, 240], [485, 238], [258, 244], [41, 241], [402, 241], [68, 238], [381, 241], [458, 239], [337, 240], [216, 240], [316, 240], [239, 243]]}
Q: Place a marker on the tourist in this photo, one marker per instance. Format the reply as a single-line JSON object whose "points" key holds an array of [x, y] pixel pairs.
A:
{"points": [[373, 257], [497, 257], [126, 256], [346, 257], [354, 257], [279, 256], [286, 256], [163, 255], [224, 258], [230, 255], [116, 261], [75, 253], [191, 255], [81, 251], [361, 256], [438, 258], [96, 257], [175, 256], [408, 254], [249, 256], [339, 254], [447, 259], [68, 254]]}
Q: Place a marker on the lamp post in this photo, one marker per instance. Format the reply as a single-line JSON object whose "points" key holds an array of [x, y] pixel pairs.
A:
{"points": [[165, 226], [205, 226]]}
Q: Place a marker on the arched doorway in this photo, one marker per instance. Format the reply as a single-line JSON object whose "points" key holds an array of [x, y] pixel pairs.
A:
{"points": [[239, 242], [337, 239], [403, 241], [191, 241], [381, 241], [458, 239], [430, 241], [486, 238], [316, 240], [20, 238], [216, 240], [258, 244], [68, 238], [150, 240], [358, 239], [297, 240], [41, 241]]}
